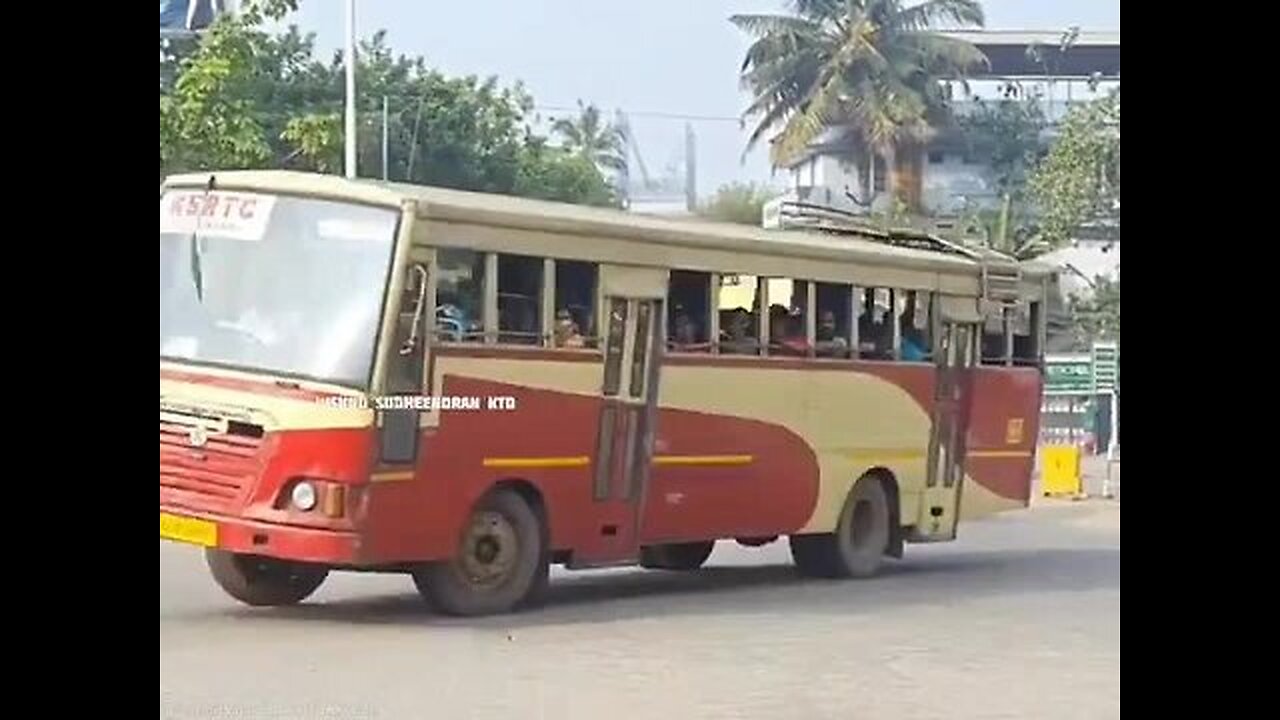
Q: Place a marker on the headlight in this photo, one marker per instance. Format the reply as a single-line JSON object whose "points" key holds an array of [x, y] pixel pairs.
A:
{"points": [[304, 496]]}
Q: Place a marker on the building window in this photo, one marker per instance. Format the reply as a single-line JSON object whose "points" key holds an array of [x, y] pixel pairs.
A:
{"points": [[936, 157]]}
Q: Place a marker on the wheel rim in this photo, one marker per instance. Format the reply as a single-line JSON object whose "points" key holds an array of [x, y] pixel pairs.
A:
{"points": [[861, 524], [489, 550]]}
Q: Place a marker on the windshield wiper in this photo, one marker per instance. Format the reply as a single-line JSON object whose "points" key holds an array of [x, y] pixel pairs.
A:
{"points": [[197, 274]]}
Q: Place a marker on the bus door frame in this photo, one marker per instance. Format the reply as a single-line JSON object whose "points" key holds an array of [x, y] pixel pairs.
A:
{"points": [[632, 303]]}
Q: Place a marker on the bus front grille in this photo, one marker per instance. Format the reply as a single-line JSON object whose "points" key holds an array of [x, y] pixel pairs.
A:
{"points": [[206, 470]]}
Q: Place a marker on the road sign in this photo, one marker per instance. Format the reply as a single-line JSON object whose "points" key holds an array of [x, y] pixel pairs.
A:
{"points": [[1106, 366], [1068, 375]]}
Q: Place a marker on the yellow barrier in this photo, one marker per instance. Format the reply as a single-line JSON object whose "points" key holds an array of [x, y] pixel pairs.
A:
{"points": [[1061, 471]]}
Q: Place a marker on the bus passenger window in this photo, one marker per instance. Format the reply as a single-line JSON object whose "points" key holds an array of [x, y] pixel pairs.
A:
{"points": [[688, 314], [459, 295], [787, 332], [915, 327], [831, 337], [575, 303], [875, 326], [738, 301], [519, 300], [1026, 351], [993, 345]]}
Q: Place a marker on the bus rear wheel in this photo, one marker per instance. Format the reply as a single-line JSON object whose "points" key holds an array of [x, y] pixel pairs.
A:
{"points": [[857, 547], [677, 556], [502, 562], [261, 581]]}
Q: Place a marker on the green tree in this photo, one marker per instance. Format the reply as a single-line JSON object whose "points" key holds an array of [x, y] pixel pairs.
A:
{"points": [[243, 98], [737, 203], [1079, 180], [871, 67], [552, 173], [1096, 315], [594, 138]]}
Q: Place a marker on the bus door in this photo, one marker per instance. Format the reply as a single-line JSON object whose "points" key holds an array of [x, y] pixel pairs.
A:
{"points": [[954, 353], [623, 451]]}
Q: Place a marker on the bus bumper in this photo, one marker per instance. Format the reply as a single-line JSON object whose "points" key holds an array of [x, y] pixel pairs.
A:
{"points": [[285, 542]]}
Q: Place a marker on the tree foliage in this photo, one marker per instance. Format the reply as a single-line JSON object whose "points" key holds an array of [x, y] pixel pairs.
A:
{"points": [[588, 134], [245, 98], [1006, 135], [871, 67], [1079, 180], [737, 203], [1096, 315]]}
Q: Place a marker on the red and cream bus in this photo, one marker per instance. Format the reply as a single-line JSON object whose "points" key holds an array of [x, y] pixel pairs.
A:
{"points": [[469, 388]]}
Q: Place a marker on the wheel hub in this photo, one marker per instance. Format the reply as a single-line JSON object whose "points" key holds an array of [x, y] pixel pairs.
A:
{"points": [[489, 549]]}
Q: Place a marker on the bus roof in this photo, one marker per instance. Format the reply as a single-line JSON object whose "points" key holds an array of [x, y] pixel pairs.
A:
{"points": [[457, 206]]}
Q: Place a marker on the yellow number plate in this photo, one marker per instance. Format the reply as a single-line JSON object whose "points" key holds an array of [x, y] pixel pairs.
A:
{"points": [[188, 530]]}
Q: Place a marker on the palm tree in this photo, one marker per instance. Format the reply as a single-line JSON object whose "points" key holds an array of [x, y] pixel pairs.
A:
{"points": [[871, 68], [590, 135]]}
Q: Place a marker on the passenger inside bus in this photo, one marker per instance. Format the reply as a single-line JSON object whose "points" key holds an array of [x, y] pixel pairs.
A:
{"points": [[737, 339], [684, 333], [829, 341], [567, 334], [913, 343], [786, 337]]}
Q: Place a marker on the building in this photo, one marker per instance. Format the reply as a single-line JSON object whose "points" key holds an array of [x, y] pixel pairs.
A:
{"points": [[1056, 69]]}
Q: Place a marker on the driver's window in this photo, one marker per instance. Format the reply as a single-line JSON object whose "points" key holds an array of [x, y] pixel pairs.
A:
{"points": [[405, 371]]}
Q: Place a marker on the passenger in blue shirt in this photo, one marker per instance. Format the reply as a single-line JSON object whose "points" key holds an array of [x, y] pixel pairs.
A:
{"points": [[913, 346]]}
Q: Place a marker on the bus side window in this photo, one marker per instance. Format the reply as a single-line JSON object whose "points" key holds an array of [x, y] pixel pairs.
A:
{"points": [[1026, 345], [404, 369], [459, 295], [875, 326], [519, 300], [914, 331], [832, 322], [737, 303], [993, 350], [688, 311], [575, 305], [788, 303]]}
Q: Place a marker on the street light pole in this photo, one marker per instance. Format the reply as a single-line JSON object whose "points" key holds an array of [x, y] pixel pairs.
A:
{"points": [[349, 56]]}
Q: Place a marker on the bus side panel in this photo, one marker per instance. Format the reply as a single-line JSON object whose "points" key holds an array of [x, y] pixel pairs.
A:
{"points": [[717, 476], [542, 442], [1004, 424]]}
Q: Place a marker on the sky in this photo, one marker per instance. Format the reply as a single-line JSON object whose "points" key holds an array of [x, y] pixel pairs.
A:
{"points": [[666, 56]]}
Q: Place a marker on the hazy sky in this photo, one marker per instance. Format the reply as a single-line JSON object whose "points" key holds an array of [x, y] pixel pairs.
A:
{"points": [[670, 56]]}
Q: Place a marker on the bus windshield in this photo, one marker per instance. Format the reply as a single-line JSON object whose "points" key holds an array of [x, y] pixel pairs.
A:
{"points": [[280, 284]]}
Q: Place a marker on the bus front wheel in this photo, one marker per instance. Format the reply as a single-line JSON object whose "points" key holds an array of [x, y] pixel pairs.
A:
{"points": [[261, 581], [502, 562], [857, 547]]}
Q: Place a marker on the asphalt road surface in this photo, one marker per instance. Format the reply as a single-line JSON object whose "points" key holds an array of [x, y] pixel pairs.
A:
{"points": [[1020, 618]]}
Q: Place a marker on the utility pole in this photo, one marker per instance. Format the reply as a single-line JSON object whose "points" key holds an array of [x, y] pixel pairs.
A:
{"points": [[690, 168], [349, 56]]}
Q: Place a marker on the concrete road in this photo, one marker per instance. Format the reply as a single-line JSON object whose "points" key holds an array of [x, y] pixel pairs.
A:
{"points": [[1018, 619]]}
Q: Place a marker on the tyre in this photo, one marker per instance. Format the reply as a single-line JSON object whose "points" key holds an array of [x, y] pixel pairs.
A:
{"points": [[261, 581], [677, 556], [502, 562], [857, 547]]}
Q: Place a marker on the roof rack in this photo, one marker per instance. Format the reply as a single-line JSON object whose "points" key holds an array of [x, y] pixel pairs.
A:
{"points": [[1001, 273]]}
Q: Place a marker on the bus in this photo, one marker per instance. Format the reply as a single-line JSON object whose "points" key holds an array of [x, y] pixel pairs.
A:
{"points": [[468, 388]]}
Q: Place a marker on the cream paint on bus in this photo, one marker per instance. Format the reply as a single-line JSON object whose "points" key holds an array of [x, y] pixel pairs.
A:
{"points": [[820, 406]]}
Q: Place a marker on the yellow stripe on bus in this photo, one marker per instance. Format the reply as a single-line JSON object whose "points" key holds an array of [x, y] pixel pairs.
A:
{"points": [[394, 476], [703, 460], [537, 462]]}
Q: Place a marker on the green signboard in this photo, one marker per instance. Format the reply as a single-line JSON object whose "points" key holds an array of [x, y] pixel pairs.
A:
{"points": [[1068, 375]]}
